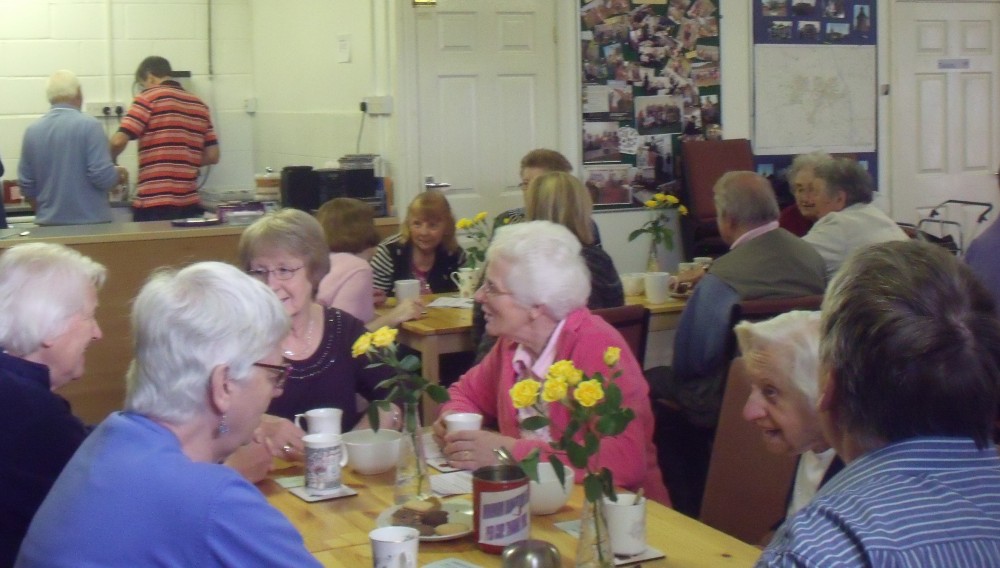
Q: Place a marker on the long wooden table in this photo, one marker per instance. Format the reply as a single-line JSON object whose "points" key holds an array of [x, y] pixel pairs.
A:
{"points": [[336, 531]]}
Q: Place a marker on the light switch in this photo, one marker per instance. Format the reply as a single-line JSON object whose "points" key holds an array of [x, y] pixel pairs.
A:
{"points": [[344, 48]]}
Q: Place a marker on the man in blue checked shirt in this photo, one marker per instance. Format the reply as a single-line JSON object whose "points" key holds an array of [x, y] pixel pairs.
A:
{"points": [[909, 383]]}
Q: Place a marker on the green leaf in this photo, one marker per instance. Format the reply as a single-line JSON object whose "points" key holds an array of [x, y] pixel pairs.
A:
{"points": [[591, 442], [530, 465], [437, 393], [410, 363], [387, 383], [613, 395], [373, 365], [559, 467], [578, 456], [608, 482], [373, 416], [534, 422], [635, 234], [593, 488]]}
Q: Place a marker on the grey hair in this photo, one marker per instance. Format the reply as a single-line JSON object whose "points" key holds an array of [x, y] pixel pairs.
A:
{"points": [[62, 86], [912, 340], [187, 322], [847, 175], [745, 198], [786, 345], [806, 161], [292, 231], [546, 267], [42, 286]]}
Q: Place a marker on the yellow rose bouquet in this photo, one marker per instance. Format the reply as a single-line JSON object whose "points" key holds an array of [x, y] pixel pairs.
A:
{"points": [[478, 232], [595, 410], [657, 227], [406, 387]]}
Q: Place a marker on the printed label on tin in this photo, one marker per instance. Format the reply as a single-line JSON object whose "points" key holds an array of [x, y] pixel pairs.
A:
{"points": [[504, 517]]}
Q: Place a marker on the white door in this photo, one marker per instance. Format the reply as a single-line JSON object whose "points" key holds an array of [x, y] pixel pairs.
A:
{"points": [[944, 103], [486, 73]]}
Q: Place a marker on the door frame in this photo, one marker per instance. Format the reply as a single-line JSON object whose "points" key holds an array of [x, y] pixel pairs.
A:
{"points": [[408, 180]]}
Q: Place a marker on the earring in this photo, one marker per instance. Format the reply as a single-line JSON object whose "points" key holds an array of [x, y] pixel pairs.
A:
{"points": [[223, 428]]}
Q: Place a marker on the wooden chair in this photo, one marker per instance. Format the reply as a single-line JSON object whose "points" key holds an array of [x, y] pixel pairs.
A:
{"points": [[767, 308], [633, 323], [704, 162], [747, 486]]}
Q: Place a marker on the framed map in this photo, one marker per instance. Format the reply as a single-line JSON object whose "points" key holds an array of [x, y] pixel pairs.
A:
{"points": [[814, 97]]}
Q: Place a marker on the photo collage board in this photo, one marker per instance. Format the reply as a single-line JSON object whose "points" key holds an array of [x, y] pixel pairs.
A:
{"points": [[651, 79], [834, 22], [818, 23]]}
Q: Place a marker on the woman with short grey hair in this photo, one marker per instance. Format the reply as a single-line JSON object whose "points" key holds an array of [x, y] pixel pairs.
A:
{"points": [[48, 295], [147, 487], [534, 297]]}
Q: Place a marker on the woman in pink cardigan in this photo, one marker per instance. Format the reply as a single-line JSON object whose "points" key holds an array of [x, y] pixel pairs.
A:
{"points": [[534, 298]]}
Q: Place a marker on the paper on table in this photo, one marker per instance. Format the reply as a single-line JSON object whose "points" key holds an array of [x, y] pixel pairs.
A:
{"points": [[291, 481], [451, 563], [573, 528], [447, 302], [454, 483], [434, 457]]}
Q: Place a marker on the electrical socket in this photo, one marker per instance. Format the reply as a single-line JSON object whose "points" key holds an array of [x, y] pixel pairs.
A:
{"points": [[378, 105], [105, 109]]}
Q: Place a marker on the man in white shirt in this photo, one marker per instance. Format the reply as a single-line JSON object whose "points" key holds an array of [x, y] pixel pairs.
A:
{"points": [[841, 195]]}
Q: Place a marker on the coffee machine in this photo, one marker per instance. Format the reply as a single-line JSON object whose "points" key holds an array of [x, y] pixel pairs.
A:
{"points": [[359, 176]]}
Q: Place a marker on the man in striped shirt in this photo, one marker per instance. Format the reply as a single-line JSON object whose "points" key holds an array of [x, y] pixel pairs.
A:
{"points": [[176, 138], [909, 381]]}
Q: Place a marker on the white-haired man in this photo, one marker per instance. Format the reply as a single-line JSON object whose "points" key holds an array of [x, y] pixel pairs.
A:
{"points": [[66, 170]]}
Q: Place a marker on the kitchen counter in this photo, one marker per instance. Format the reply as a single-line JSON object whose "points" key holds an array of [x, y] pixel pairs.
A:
{"points": [[130, 251]]}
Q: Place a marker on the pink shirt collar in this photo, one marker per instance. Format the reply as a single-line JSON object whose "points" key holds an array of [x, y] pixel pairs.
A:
{"points": [[540, 367], [754, 233]]}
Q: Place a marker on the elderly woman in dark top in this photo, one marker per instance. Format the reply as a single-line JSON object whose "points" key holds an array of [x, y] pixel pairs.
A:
{"points": [[48, 294], [286, 250], [425, 248]]}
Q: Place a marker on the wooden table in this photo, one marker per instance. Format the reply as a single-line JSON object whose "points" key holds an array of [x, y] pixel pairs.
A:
{"points": [[663, 317], [336, 531]]}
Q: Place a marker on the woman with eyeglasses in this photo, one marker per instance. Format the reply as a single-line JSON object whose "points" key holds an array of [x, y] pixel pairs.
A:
{"points": [[147, 488], [534, 296], [287, 251]]}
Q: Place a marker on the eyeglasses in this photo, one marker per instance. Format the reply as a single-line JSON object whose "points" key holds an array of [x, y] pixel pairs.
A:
{"points": [[281, 273], [491, 290], [282, 370]]}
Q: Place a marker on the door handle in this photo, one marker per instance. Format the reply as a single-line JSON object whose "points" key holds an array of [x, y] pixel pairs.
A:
{"points": [[429, 183]]}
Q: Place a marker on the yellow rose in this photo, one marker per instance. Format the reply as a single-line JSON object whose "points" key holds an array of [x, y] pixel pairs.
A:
{"points": [[555, 389], [463, 224], [589, 393], [362, 345], [383, 337], [651, 203], [524, 393], [672, 200], [660, 197], [480, 217], [564, 371], [611, 356], [683, 210]]}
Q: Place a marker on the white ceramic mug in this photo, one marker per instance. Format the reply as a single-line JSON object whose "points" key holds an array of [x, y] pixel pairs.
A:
{"points": [[465, 279], [457, 421], [633, 283], [407, 290], [394, 547], [687, 267], [658, 286], [321, 420], [626, 524], [547, 495], [325, 458]]}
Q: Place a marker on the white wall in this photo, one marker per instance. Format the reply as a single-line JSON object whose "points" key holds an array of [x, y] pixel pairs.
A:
{"points": [[103, 43]]}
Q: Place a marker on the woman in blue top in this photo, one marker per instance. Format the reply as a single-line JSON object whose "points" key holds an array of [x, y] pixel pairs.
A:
{"points": [[147, 487]]}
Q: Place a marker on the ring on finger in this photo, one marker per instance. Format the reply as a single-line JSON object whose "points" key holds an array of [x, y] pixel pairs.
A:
{"points": [[286, 448]]}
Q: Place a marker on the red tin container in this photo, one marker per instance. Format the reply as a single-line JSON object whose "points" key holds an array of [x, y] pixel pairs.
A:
{"points": [[501, 513]]}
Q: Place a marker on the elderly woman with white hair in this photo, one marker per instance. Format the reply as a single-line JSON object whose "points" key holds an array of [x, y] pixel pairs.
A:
{"points": [[781, 357], [147, 487], [534, 297], [48, 294]]}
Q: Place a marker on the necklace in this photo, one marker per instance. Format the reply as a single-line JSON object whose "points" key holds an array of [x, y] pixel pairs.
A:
{"points": [[309, 335]]}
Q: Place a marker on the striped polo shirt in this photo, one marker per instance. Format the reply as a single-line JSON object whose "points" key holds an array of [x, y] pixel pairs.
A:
{"points": [[918, 503], [173, 127]]}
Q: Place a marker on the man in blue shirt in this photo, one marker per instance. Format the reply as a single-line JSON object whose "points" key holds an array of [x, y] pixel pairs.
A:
{"points": [[909, 380], [66, 170]]}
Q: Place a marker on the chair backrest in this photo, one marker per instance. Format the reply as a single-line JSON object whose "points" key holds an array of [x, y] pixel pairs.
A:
{"points": [[766, 308], [704, 163], [747, 486], [633, 323]]}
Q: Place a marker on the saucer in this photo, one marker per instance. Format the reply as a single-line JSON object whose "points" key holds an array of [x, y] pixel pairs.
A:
{"points": [[303, 493]]}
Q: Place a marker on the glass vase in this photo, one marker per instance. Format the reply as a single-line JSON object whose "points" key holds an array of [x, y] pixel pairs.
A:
{"points": [[412, 481], [593, 550]]}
